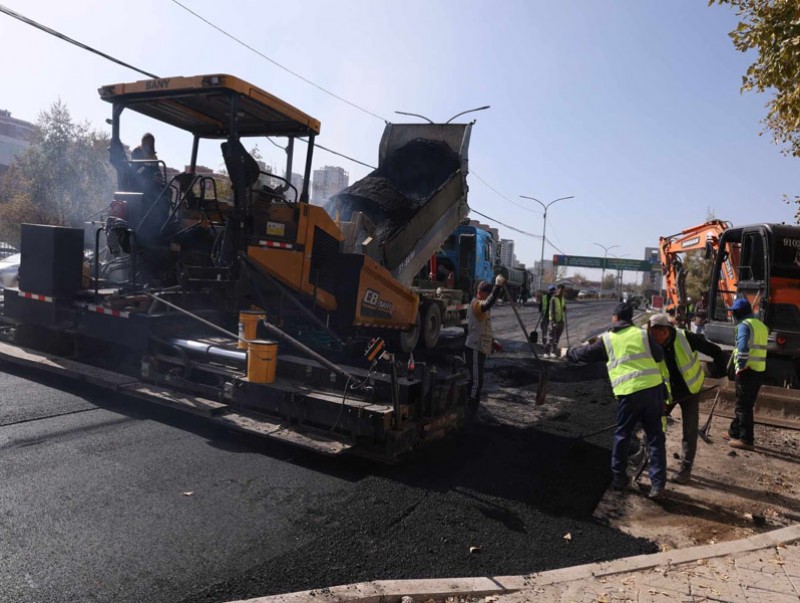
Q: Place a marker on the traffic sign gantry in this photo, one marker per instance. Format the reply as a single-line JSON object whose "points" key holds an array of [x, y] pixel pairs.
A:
{"points": [[585, 261]]}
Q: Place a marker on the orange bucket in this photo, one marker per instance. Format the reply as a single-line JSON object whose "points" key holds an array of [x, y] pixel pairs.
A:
{"points": [[262, 361], [248, 326]]}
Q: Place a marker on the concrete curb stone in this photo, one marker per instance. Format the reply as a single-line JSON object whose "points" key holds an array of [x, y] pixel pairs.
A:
{"points": [[390, 591]]}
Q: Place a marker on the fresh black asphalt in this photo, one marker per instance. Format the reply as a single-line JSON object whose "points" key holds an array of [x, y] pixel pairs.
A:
{"points": [[105, 499]]}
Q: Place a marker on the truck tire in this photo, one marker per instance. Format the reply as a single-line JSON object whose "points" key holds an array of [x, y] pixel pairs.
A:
{"points": [[407, 341], [431, 325]]}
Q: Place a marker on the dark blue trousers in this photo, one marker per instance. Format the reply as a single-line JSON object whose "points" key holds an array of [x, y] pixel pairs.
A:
{"points": [[645, 407]]}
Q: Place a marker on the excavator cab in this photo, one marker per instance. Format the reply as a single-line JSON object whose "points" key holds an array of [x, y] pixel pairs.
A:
{"points": [[760, 263]]}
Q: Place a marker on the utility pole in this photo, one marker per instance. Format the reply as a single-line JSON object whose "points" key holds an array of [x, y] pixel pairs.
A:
{"points": [[605, 257], [545, 207]]}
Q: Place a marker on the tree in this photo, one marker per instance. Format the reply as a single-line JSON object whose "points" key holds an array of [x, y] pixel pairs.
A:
{"points": [[698, 273], [62, 178], [772, 27]]}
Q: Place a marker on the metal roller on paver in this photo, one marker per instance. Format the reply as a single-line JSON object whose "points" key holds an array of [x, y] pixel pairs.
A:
{"points": [[255, 308], [760, 263]]}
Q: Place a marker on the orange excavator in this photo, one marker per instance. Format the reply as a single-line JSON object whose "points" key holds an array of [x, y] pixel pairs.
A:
{"points": [[760, 263]]}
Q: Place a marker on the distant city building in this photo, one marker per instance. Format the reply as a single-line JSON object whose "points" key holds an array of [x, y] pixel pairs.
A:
{"points": [[327, 182], [15, 136], [548, 273], [652, 280], [297, 182], [506, 252]]}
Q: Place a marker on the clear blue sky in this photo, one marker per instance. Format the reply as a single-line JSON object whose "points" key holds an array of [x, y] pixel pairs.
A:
{"points": [[632, 106]]}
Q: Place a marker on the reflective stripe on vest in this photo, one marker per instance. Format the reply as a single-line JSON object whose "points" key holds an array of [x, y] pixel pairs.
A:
{"points": [[688, 362], [757, 344], [631, 367]]}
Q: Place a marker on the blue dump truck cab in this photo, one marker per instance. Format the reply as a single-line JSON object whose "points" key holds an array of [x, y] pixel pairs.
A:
{"points": [[468, 257]]}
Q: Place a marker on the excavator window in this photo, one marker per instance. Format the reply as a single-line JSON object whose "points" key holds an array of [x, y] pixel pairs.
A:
{"points": [[753, 258]]}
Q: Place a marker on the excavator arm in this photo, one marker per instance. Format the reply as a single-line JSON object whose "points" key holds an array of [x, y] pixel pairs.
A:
{"points": [[704, 236]]}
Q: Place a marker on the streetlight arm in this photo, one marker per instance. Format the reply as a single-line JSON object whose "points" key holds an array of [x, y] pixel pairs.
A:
{"points": [[414, 115], [467, 111]]}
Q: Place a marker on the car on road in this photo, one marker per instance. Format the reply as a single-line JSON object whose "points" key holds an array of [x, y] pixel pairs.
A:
{"points": [[588, 294], [9, 271]]}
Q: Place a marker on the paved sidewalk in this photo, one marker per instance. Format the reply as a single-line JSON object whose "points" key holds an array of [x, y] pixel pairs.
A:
{"points": [[759, 569]]}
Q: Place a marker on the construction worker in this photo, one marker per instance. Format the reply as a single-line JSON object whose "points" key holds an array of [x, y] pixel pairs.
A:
{"points": [[632, 358], [557, 314], [544, 313], [479, 336], [750, 362], [686, 380]]}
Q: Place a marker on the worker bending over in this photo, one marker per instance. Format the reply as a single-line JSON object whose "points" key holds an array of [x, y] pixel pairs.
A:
{"points": [[686, 380], [632, 358], [750, 362], [479, 336]]}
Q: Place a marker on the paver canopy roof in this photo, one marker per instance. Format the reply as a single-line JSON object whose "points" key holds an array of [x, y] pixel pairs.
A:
{"points": [[202, 105]]}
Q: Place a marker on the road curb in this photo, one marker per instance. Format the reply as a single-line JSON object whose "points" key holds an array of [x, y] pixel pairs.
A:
{"points": [[391, 591]]}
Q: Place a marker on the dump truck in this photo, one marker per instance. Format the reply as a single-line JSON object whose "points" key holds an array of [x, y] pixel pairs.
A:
{"points": [[261, 311], [761, 263], [402, 212]]}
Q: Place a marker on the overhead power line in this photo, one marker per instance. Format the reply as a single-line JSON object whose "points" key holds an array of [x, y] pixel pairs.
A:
{"points": [[65, 38], [279, 65], [61, 36]]}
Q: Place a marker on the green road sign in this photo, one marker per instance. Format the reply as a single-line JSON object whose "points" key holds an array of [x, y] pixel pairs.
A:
{"points": [[584, 261]]}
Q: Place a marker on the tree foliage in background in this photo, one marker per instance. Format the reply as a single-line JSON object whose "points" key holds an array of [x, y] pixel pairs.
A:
{"points": [[61, 179], [772, 27], [698, 272]]}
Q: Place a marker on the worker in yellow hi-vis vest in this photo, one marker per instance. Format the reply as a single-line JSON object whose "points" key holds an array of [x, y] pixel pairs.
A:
{"points": [[750, 362]]}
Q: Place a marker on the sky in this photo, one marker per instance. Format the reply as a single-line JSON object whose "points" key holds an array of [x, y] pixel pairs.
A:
{"points": [[632, 107]]}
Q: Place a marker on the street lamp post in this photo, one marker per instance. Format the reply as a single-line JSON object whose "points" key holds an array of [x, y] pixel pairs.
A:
{"points": [[545, 207], [605, 257], [620, 272]]}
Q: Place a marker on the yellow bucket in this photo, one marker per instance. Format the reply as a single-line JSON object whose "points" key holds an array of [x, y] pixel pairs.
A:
{"points": [[248, 326], [262, 361]]}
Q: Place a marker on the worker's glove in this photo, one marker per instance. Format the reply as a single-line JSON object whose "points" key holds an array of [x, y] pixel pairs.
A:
{"points": [[562, 353], [500, 280], [742, 370], [496, 346]]}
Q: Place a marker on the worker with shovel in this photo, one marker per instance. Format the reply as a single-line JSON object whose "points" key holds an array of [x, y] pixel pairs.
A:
{"points": [[558, 315], [686, 380], [632, 358], [479, 342]]}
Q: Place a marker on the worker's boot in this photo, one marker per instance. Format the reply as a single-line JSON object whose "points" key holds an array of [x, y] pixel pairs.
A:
{"points": [[684, 474], [741, 444]]}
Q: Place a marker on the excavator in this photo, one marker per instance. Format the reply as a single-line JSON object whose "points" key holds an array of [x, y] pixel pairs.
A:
{"points": [[260, 311], [761, 263]]}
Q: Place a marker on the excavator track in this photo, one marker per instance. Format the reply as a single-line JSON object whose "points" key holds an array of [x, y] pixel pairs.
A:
{"points": [[775, 406]]}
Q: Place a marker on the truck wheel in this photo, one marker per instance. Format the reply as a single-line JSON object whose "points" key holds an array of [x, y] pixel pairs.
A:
{"points": [[407, 340], [431, 325]]}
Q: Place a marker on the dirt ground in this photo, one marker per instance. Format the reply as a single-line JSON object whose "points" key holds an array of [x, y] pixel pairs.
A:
{"points": [[732, 494]]}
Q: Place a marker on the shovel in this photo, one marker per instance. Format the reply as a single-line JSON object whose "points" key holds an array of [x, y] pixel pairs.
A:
{"points": [[541, 388], [706, 428]]}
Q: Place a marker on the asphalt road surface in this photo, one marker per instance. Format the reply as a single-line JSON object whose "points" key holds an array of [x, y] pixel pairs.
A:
{"points": [[105, 499]]}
